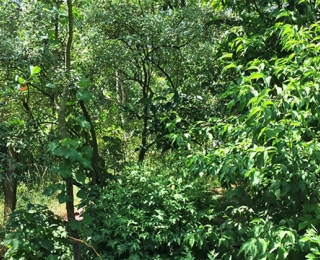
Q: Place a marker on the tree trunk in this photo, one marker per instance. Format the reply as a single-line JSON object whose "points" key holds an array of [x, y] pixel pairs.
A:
{"points": [[64, 133], [144, 135], [121, 94], [97, 176], [122, 100], [10, 185]]}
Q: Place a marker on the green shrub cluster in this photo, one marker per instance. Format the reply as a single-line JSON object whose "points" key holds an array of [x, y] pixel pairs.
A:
{"points": [[166, 216], [34, 232], [148, 215], [152, 216]]}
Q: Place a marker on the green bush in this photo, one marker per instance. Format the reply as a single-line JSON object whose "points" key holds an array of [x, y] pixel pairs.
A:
{"points": [[149, 215], [36, 233], [152, 216]]}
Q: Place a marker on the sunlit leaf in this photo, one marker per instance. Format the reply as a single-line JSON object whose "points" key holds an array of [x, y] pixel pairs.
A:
{"points": [[226, 56], [256, 75], [34, 70]]}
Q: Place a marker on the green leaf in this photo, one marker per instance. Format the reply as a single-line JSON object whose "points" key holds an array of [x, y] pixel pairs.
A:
{"points": [[283, 13], [45, 244], [75, 225], [53, 145], [267, 103], [267, 114], [72, 154], [267, 81], [249, 246], [87, 231], [311, 256], [226, 129], [286, 29], [281, 252], [15, 240], [34, 70], [191, 240], [80, 177], [255, 178], [83, 123], [86, 163], [170, 126], [63, 198], [50, 85], [87, 219], [230, 66], [52, 189], [84, 82], [81, 194], [256, 75], [65, 170], [226, 56], [262, 246], [84, 95], [303, 225], [254, 111], [21, 80], [58, 151], [87, 151], [239, 48]]}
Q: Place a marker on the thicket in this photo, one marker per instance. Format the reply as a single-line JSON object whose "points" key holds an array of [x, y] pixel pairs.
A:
{"points": [[190, 129]]}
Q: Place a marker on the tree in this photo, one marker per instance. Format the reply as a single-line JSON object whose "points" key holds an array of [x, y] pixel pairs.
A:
{"points": [[156, 62]]}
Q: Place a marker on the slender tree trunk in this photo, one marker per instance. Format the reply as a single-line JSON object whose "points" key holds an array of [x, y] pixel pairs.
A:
{"points": [[122, 100], [68, 181], [10, 184], [147, 94], [97, 177], [121, 94], [61, 108], [64, 134], [144, 135]]}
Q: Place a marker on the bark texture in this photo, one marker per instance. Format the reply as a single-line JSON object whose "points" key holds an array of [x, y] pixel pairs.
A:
{"points": [[10, 185]]}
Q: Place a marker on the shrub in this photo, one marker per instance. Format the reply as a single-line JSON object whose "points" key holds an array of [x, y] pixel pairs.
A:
{"points": [[36, 233], [152, 216]]}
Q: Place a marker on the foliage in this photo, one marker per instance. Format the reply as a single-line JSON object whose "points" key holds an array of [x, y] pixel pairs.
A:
{"points": [[278, 155], [36, 233], [162, 215], [3, 248], [313, 238], [151, 215], [227, 90], [270, 148]]}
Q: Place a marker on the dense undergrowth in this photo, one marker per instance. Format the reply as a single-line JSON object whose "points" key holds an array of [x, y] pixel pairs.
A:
{"points": [[163, 216], [148, 215], [260, 140], [34, 232], [37, 211]]}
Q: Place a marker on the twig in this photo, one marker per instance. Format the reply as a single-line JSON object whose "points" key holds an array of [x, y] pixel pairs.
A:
{"points": [[84, 242]]}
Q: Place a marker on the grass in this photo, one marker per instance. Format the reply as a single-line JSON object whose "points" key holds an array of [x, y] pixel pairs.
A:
{"points": [[35, 196]]}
